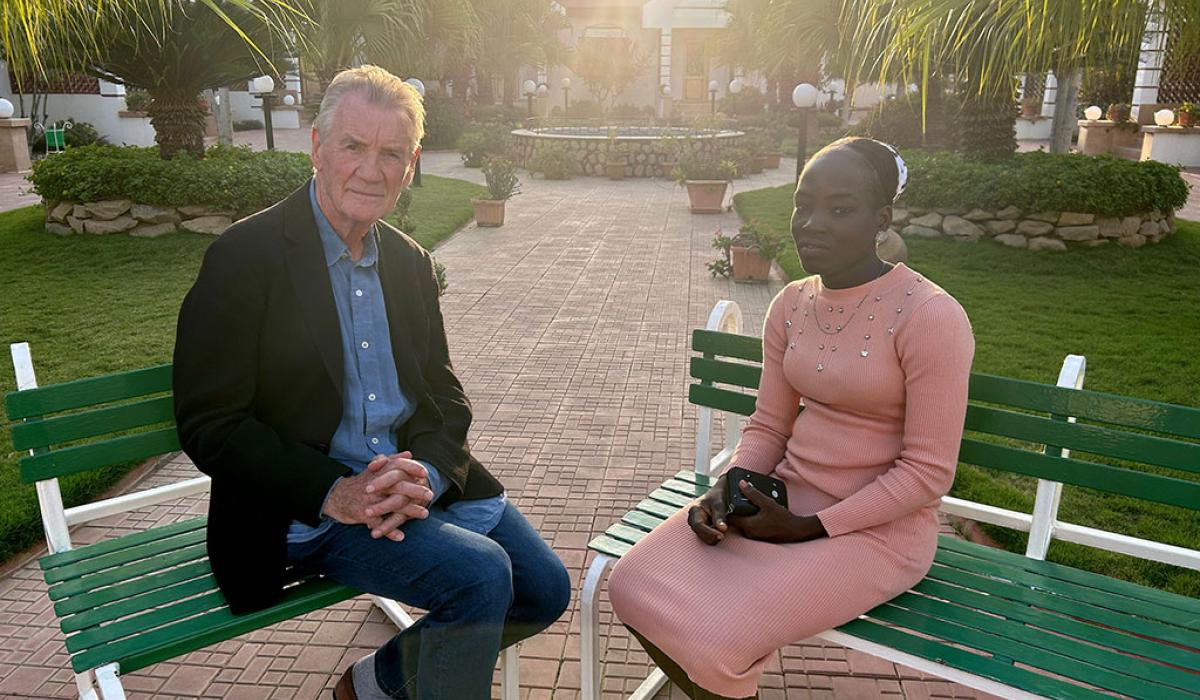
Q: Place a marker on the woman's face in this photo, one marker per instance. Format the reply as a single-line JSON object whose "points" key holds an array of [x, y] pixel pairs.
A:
{"points": [[837, 213]]}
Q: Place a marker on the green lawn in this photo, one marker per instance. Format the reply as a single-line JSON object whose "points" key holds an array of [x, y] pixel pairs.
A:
{"points": [[92, 305], [1135, 316]]}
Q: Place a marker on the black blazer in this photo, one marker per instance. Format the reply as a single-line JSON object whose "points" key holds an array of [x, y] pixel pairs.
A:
{"points": [[258, 387]]}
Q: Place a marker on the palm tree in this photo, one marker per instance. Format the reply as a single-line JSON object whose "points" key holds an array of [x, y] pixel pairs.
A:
{"points": [[173, 49], [518, 33]]}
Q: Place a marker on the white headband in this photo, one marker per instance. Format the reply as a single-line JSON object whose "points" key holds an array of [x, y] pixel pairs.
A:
{"points": [[901, 172]]}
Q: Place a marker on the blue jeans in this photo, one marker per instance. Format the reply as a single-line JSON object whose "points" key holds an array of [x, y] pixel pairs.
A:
{"points": [[483, 593]]}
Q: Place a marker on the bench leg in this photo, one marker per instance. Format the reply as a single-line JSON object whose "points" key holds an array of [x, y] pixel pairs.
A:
{"points": [[510, 676], [86, 686], [110, 685], [589, 643]]}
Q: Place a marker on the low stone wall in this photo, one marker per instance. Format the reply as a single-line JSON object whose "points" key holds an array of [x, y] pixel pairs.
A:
{"points": [[1044, 230], [645, 152], [123, 216]]}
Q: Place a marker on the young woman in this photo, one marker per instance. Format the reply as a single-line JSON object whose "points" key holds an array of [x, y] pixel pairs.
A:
{"points": [[860, 411]]}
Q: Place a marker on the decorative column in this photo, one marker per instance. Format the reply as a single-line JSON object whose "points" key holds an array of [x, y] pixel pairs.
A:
{"points": [[14, 145], [664, 70], [1150, 61]]}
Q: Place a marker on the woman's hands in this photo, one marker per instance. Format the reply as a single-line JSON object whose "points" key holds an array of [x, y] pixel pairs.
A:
{"points": [[772, 523]]}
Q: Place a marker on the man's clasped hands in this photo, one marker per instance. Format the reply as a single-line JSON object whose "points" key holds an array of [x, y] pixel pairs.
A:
{"points": [[392, 490]]}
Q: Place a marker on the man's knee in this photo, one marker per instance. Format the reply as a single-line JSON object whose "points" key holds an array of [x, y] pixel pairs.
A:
{"points": [[484, 579], [551, 594]]}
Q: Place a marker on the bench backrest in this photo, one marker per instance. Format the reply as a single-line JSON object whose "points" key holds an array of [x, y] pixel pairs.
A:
{"points": [[93, 423], [1031, 417]]}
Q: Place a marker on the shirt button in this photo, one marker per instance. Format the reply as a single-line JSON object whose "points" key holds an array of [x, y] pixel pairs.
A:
{"points": [[374, 441], [370, 397], [358, 292], [365, 345]]}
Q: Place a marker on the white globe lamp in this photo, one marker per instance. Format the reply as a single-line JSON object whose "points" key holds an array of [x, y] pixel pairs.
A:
{"points": [[262, 84], [736, 85], [528, 87], [289, 100], [666, 90], [6, 109], [542, 90], [566, 83], [804, 96], [418, 86], [1164, 117], [1092, 113]]}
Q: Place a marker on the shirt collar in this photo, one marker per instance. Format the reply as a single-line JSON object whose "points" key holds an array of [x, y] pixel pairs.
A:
{"points": [[334, 247]]}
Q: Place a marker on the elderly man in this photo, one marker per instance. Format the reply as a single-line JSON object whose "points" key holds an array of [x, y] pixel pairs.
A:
{"points": [[313, 383]]}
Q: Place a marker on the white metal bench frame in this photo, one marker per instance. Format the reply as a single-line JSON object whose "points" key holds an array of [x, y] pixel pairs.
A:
{"points": [[57, 522], [1042, 525]]}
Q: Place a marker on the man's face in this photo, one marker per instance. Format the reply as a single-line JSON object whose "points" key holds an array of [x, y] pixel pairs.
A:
{"points": [[362, 163]]}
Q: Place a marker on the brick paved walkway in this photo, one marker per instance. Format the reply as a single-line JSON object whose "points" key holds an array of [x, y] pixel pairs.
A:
{"points": [[569, 327]]}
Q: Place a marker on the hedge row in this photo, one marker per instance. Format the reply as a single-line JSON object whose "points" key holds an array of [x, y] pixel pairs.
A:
{"points": [[231, 178], [1039, 181]]}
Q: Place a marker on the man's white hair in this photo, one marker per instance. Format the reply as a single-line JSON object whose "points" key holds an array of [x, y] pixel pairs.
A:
{"points": [[380, 88]]}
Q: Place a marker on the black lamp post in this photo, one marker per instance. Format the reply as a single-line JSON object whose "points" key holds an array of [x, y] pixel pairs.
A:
{"points": [[264, 85], [420, 88], [529, 87], [566, 87], [804, 98]]}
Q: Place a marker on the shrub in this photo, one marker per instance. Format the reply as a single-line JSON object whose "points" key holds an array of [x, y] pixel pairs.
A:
{"points": [[750, 100], [899, 123], [477, 144], [704, 165], [497, 114], [247, 124], [445, 119], [232, 178], [137, 100], [630, 111], [764, 240], [80, 134], [501, 176], [553, 162], [400, 213], [759, 142], [585, 109], [1040, 181]]}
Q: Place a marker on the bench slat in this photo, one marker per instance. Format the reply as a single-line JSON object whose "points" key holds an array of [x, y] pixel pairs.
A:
{"points": [[137, 603], [721, 399], [71, 556], [612, 547], [198, 632], [138, 624], [743, 347], [78, 426], [619, 531], [82, 393], [1102, 477], [1061, 624], [709, 370], [640, 520], [121, 557], [117, 592], [672, 498], [1142, 414], [150, 565], [1044, 659], [1066, 573], [70, 460], [977, 664], [691, 490], [1145, 449], [657, 508]]}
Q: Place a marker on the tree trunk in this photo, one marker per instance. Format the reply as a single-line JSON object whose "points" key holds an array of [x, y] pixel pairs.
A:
{"points": [[987, 123], [1066, 101], [178, 121], [223, 112]]}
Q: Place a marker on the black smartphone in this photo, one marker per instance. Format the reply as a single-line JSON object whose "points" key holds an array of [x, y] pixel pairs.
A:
{"points": [[736, 501]]}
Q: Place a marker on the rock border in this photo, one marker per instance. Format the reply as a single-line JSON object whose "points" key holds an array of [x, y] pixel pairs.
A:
{"points": [[1034, 230], [110, 216]]}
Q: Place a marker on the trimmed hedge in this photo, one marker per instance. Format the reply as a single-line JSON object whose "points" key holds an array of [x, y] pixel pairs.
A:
{"points": [[233, 178], [1039, 181]]}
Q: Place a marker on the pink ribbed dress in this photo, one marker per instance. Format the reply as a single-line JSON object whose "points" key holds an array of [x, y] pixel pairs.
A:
{"points": [[871, 455]]}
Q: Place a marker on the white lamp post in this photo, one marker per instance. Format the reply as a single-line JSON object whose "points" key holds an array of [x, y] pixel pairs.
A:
{"points": [[713, 86], [566, 88], [1092, 113], [529, 88], [264, 86], [736, 85], [418, 86], [804, 98]]}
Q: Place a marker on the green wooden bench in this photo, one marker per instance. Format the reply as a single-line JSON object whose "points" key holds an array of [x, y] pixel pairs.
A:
{"points": [[134, 600], [1012, 625]]}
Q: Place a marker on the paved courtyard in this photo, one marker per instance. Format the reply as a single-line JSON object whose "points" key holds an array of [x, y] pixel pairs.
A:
{"points": [[569, 327]]}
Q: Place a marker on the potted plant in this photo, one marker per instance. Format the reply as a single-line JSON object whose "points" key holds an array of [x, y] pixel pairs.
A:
{"points": [[1118, 112], [616, 157], [775, 136], [502, 184], [706, 175], [753, 250], [673, 147], [1031, 107], [553, 162], [1186, 114], [759, 144], [743, 160]]}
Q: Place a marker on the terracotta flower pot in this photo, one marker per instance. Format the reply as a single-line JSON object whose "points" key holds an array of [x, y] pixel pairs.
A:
{"points": [[666, 168], [706, 196], [1030, 111], [489, 212], [756, 165], [615, 170], [771, 161], [748, 265], [1185, 119]]}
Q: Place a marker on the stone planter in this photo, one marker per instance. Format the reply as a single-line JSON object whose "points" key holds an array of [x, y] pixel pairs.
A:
{"points": [[615, 170], [748, 265], [706, 196], [771, 161], [489, 213], [123, 216], [756, 165]]}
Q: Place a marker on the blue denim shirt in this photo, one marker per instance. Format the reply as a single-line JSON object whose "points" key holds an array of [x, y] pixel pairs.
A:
{"points": [[373, 404]]}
